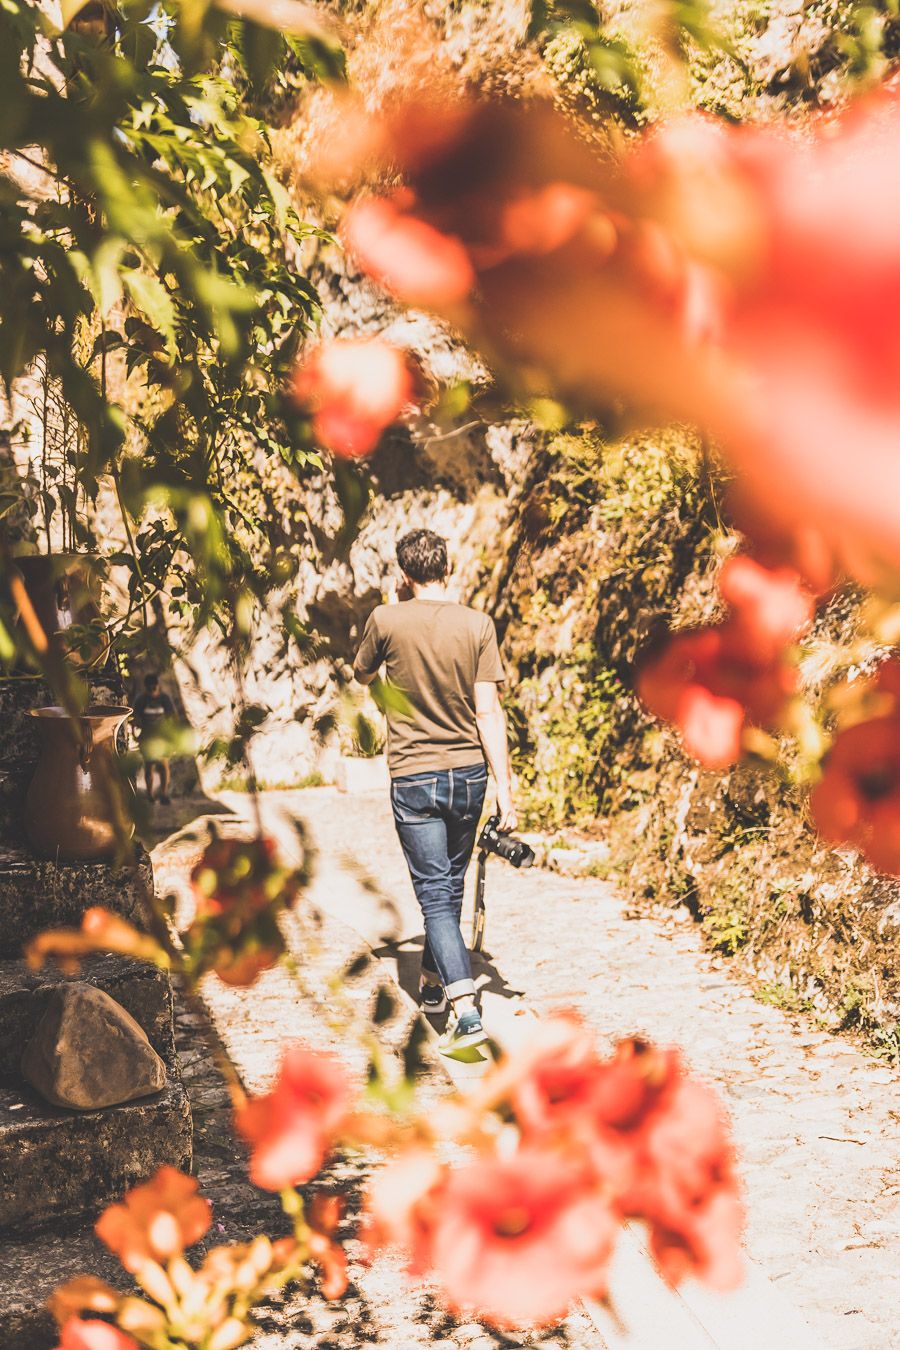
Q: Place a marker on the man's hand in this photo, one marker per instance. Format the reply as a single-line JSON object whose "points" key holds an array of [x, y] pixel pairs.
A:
{"points": [[507, 812]]}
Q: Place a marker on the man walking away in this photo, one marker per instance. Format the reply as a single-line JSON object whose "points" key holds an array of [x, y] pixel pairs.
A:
{"points": [[444, 658], [150, 708]]}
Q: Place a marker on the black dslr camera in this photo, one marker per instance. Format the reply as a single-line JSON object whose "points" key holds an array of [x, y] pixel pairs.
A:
{"points": [[514, 851]]}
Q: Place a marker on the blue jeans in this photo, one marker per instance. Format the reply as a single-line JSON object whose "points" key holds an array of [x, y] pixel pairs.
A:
{"points": [[437, 814]]}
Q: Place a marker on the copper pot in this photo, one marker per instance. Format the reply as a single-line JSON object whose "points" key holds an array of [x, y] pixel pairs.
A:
{"points": [[77, 807], [65, 592]]}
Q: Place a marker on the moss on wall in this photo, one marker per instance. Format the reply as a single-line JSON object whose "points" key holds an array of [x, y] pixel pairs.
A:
{"points": [[615, 541]]}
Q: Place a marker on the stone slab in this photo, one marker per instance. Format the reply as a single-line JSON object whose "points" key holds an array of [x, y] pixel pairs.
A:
{"points": [[36, 894], [65, 1165], [142, 989]]}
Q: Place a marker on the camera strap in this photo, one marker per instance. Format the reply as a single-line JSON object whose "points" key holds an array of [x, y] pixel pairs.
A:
{"points": [[478, 916]]}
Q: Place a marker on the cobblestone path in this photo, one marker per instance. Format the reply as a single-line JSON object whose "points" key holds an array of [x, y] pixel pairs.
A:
{"points": [[817, 1122]]}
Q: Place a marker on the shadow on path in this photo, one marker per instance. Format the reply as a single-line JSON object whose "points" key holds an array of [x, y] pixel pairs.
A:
{"points": [[407, 955], [158, 822]]}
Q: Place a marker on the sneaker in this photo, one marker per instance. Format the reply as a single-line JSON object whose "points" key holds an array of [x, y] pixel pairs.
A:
{"points": [[431, 995], [465, 1034], [165, 799]]}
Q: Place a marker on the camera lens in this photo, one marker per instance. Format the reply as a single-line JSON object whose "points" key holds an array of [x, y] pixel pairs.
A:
{"points": [[515, 851]]}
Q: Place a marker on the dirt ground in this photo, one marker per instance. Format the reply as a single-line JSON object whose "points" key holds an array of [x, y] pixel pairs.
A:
{"points": [[817, 1123]]}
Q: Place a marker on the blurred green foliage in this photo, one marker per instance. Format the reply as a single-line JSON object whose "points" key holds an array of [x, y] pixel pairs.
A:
{"points": [[149, 260]]}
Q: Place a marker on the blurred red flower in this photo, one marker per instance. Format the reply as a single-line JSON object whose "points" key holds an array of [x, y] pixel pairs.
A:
{"points": [[559, 1084], [685, 1186], [685, 685], [407, 256], [78, 1334], [857, 801], [353, 389], [400, 1205], [887, 681], [710, 682], [551, 1083], [291, 1128], [156, 1220], [323, 1216], [634, 1079], [770, 605], [805, 230], [241, 875], [514, 1238], [514, 1241], [239, 887], [241, 969], [542, 220], [518, 1240], [738, 278], [705, 1241]]}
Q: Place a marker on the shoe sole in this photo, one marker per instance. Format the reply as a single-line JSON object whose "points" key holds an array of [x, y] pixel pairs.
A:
{"points": [[462, 1044]]}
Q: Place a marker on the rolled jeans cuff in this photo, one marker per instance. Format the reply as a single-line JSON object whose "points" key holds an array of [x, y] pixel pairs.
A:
{"points": [[459, 988]]}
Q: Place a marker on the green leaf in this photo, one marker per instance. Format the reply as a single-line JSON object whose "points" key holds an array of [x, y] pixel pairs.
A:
{"points": [[388, 698], [7, 645], [261, 49], [321, 58], [367, 740], [354, 491], [106, 341], [151, 297]]}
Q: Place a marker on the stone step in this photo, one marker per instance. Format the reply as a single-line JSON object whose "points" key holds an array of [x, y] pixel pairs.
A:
{"points": [[141, 989], [57, 1164], [30, 1271], [36, 894]]}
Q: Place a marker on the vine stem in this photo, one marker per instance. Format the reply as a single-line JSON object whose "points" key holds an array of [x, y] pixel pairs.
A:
{"points": [[132, 546]]}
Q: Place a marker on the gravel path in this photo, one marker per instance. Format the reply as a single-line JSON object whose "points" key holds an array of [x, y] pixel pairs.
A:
{"points": [[817, 1123]]}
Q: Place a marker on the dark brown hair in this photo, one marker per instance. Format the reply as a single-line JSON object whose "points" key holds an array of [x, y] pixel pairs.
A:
{"points": [[422, 555]]}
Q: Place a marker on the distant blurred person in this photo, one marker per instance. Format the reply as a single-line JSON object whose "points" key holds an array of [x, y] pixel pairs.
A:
{"points": [[151, 708]]}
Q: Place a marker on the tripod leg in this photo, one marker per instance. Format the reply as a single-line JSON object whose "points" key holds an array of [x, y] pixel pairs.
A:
{"points": [[478, 918]]}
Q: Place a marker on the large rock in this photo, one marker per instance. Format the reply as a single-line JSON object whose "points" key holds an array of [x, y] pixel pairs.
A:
{"points": [[88, 1052], [142, 990]]}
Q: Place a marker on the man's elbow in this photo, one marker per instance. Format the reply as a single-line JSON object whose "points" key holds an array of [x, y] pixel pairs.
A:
{"points": [[362, 677]]}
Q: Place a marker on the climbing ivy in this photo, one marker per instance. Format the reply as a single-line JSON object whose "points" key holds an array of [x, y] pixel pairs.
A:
{"points": [[149, 259]]}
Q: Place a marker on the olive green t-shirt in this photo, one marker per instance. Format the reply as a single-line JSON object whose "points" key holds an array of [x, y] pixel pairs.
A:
{"points": [[434, 651]]}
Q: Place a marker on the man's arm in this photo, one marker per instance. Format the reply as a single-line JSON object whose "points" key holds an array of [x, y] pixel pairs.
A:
{"points": [[369, 657], [491, 722]]}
